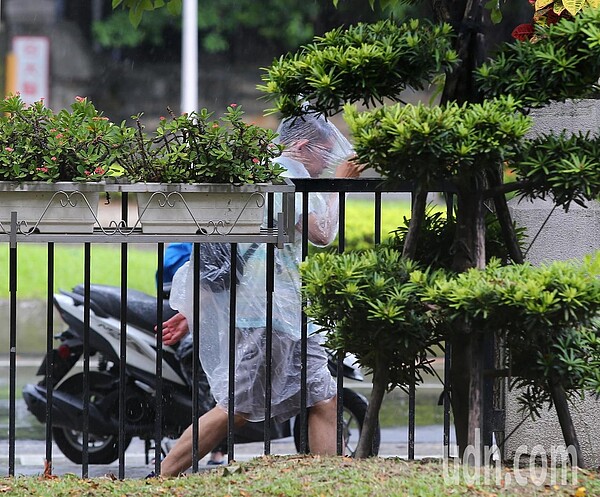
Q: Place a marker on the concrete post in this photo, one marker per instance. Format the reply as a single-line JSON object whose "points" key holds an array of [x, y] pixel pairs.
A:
{"points": [[554, 234]]}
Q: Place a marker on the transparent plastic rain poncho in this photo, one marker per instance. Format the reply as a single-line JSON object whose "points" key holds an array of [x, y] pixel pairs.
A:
{"points": [[313, 147]]}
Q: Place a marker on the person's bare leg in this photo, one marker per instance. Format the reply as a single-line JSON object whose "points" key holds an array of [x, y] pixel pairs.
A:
{"points": [[212, 428], [322, 427]]}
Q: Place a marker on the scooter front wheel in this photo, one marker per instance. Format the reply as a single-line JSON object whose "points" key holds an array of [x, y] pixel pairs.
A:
{"points": [[102, 449]]}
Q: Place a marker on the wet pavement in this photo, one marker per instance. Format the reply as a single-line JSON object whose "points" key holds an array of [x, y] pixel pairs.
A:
{"points": [[30, 454], [30, 447]]}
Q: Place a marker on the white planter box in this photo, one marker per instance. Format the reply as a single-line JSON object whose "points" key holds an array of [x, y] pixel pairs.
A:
{"points": [[49, 207], [209, 213]]}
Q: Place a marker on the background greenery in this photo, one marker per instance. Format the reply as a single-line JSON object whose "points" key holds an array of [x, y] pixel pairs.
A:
{"points": [[224, 23]]}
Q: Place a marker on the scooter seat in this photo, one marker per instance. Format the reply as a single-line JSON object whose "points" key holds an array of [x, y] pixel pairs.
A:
{"points": [[141, 307]]}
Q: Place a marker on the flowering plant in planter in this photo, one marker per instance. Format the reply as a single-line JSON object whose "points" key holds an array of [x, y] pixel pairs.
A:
{"points": [[79, 145], [194, 148]]}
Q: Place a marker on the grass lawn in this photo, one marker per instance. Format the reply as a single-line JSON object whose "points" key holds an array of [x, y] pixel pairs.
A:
{"points": [[321, 476], [105, 268]]}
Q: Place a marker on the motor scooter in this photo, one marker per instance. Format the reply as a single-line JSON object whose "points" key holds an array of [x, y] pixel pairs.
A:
{"points": [[67, 381]]}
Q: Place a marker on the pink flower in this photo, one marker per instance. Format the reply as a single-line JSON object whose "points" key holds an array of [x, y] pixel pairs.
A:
{"points": [[215, 125], [86, 172], [42, 169], [53, 158], [59, 136], [9, 149], [98, 170], [233, 105], [80, 99], [255, 160], [163, 118]]}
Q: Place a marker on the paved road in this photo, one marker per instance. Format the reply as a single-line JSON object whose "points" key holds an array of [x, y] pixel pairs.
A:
{"points": [[29, 454]]}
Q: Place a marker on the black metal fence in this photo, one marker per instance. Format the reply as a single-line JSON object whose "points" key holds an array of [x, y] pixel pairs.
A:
{"points": [[126, 408]]}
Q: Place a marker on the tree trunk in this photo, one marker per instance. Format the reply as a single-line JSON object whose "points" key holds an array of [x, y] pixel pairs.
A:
{"points": [[475, 437], [467, 369], [467, 20], [380, 383], [459, 383], [419, 204], [559, 398]]}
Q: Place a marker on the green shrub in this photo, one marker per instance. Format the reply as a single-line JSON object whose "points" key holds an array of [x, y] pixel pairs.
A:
{"points": [[368, 304], [363, 63], [563, 63], [426, 144], [437, 236], [545, 313]]}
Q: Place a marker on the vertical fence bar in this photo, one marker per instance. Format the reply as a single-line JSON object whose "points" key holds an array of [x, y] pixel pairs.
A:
{"points": [[377, 218], [12, 371], [86, 359], [231, 385], [411, 390], [270, 276], [411, 414], [446, 393], [159, 357], [270, 287], [447, 359], [195, 356], [123, 362], [340, 356], [125, 207], [303, 416], [49, 354], [489, 368]]}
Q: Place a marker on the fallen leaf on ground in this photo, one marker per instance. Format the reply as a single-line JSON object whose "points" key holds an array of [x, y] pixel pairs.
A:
{"points": [[48, 471]]}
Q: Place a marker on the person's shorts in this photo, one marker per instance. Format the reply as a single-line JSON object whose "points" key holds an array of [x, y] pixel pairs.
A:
{"points": [[251, 373]]}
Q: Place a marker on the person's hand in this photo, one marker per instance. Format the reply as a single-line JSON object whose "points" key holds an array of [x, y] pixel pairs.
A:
{"points": [[174, 329], [349, 169]]}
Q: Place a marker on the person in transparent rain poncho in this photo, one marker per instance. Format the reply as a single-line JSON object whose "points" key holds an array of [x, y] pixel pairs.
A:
{"points": [[314, 147]]}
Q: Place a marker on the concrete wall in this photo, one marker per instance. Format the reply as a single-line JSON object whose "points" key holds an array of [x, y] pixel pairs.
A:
{"points": [[562, 235]]}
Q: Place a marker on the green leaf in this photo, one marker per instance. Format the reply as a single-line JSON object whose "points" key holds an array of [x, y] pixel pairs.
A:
{"points": [[135, 17], [496, 15], [174, 7]]}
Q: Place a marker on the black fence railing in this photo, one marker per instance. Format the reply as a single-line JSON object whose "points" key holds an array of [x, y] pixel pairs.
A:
{"points": [[155, 404]]}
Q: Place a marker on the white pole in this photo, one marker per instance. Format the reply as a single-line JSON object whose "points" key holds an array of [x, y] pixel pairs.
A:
{"points": [[189, 56]]}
